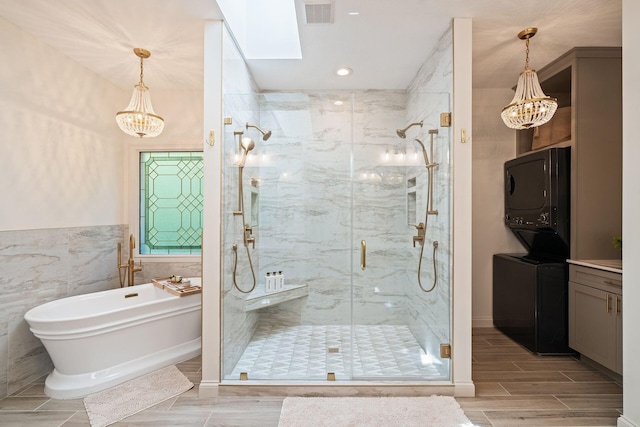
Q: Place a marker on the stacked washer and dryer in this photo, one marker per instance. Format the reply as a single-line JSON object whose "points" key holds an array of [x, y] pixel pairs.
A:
{"points": [[530, 295]]}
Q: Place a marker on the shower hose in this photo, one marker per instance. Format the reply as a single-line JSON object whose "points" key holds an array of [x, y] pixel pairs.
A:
{"points": [[246, 243], [435, 242]]}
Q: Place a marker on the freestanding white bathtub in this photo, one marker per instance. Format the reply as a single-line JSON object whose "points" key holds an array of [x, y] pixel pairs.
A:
{"points": [[105, 338]]}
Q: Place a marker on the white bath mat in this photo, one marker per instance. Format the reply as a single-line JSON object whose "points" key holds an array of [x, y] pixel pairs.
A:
{"points": [[114, 404], [436, 411]]}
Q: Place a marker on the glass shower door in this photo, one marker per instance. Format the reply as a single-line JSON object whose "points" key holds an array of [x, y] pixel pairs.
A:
{"points": [[400, 227], [333, 180]]}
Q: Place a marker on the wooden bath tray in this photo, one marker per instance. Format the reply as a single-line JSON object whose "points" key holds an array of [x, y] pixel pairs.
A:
{"points": [[175, 288]]}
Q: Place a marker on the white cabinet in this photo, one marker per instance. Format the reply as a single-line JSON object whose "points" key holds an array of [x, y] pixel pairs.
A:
{"points": [[595, 315]]}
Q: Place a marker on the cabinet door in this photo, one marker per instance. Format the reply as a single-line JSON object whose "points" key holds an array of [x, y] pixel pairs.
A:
{"points": [[618, 311], [592, 324]]}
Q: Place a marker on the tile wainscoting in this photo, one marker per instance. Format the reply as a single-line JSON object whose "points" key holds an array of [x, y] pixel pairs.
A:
{"points": [[38, 266]]}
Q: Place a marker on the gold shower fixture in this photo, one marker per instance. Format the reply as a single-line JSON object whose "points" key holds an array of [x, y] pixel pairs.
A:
{"points": [[530, 107], [139, 119]]}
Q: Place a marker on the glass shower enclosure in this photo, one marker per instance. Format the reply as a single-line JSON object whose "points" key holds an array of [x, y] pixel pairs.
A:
{"points": [[347, 214]]}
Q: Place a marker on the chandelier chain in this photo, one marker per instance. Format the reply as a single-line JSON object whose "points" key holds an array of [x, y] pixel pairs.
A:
{"points": [[142, 60], [526, 61]]}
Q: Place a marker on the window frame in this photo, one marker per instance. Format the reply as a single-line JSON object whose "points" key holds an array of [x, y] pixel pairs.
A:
{"points": [[133, 207]]}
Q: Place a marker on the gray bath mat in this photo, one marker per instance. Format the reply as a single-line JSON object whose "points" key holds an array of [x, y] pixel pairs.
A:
{"points": [[114, 404], [434, 411]]}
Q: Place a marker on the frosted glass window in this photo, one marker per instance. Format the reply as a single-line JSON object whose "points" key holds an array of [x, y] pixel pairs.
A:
{"points": [[171, 203]]}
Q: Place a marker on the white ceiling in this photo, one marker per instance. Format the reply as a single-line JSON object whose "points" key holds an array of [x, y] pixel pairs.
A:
{"points": [[384, 45]]}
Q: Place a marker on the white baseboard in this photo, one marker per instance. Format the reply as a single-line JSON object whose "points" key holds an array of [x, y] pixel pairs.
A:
{"points": [[208, 389], [464, 389], [482, 322], [625, 422]]}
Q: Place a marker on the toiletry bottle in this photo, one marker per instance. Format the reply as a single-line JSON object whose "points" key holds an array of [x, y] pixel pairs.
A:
{"points": [[275, 281], [280, 277], [268, 283]]}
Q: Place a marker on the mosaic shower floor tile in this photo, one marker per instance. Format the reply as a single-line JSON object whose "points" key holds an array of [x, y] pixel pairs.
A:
{"points": [[309, 352]]}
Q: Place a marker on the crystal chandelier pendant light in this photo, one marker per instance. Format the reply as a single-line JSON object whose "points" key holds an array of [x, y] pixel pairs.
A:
{"points": [[530, 107], [139, 119]]}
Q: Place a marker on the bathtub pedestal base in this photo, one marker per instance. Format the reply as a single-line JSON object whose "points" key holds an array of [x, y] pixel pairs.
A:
{"points": [[61, 386]]}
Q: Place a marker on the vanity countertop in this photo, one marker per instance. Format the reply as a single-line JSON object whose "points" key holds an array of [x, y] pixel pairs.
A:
{"points": [[612, 265]]}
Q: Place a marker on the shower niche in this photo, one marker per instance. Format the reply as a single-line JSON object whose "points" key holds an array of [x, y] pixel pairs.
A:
{"points": [[254, 202], [411, 201]]}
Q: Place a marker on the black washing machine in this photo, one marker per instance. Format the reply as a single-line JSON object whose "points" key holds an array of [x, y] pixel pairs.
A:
{"points": [[530, 302]]}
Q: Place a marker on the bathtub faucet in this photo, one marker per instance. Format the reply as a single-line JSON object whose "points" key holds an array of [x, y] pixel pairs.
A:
{"points": [[129, 266], [131, 263]]}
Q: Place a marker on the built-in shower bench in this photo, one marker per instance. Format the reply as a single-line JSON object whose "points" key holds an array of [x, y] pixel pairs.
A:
{"points": [[258, 298]]}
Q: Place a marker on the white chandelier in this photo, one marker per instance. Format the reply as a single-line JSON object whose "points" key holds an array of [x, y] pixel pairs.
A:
{"points": [[530, 107], [139, 119]]}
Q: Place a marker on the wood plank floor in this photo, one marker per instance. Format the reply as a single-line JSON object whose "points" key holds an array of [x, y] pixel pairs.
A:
{"points": [[513, 388]]}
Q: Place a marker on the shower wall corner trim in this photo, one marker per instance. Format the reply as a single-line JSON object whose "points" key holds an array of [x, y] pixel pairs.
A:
{"points": [[211, 265], [462, 163]]}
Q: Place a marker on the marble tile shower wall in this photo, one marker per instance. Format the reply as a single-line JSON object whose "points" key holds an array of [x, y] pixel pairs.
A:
{"points": [[306, 206], [428, 96], [240, 103], [380, 208], [39, 266]]}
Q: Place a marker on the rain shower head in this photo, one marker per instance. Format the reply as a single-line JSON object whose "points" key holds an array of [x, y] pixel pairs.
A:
{"points": [[402, 133], [265, 134]]}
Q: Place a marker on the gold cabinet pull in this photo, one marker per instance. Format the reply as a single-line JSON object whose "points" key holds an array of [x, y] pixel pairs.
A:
{"points": [[610, 282], [363, 254], [618, 308], [608, 303]]}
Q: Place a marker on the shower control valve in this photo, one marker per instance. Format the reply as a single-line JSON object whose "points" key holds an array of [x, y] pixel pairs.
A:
{"points": [[420, 237], [251, 241], [248, 238]]}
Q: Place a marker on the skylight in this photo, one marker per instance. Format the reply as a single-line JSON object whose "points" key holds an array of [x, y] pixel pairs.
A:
{"points": [[264, 29]]}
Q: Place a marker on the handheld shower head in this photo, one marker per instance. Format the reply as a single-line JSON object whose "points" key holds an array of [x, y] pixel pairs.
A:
{"points": [[424, 151], [402, 133], [265, 134], [247, 144]]}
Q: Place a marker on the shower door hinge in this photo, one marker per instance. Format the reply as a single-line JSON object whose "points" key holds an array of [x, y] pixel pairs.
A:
{"points": [[228, 121], [445, 351], [445, 120], [244, 376], [331, 376]]}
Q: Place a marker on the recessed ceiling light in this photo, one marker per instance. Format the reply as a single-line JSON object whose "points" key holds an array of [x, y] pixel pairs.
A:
{"points": [[338, 102], [344, 71], [354, 13]]}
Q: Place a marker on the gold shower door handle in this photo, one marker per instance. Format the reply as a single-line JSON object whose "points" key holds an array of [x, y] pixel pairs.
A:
{"points": [[363, 254]]}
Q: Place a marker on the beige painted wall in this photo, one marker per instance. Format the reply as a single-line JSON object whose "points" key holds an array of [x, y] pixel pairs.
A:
{"points": [[493, 144], [630, 209], [62, 156]]}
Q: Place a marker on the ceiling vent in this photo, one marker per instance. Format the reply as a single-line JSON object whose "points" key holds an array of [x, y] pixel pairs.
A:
{"points": [[319, 13]]}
